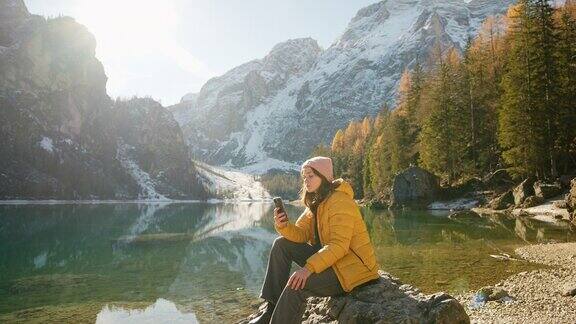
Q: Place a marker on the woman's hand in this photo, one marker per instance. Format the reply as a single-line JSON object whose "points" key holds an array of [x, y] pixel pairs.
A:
{"points": [[280, 218], [298, 279]]}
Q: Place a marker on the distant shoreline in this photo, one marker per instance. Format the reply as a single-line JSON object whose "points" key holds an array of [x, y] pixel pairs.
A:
{"points": [[134, 201]]}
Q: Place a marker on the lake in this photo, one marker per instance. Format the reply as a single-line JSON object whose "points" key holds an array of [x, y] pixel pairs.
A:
{"points": [[186, 262]]}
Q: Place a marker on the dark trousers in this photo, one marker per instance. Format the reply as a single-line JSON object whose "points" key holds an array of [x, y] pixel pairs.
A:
{"points": [[290, 302]]}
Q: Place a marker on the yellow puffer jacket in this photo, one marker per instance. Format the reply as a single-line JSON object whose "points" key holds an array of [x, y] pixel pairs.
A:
{"points": [[344, 237]]}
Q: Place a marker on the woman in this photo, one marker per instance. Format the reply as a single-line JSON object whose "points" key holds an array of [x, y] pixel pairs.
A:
{"points": [[336, 255]]}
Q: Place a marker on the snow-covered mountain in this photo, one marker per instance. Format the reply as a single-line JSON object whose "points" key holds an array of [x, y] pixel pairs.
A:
{"points": [[271, 112]]}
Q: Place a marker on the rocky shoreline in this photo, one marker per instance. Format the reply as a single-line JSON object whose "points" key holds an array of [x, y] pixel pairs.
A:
{"points": [[540, 296]]}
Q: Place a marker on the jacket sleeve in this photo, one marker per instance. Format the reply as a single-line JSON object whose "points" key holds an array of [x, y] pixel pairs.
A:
{"points": [[298, 232], [341, 226]]}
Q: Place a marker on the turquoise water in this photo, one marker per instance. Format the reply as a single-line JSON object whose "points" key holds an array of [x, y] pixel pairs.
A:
{"points": [[195, 261]]}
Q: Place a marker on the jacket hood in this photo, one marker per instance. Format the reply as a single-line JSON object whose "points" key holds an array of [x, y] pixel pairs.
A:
{"points": [[344, 187]]}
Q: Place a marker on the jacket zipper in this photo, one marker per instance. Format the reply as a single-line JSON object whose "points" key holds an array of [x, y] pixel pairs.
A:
{"points": [[316, 217], [359, 258]]}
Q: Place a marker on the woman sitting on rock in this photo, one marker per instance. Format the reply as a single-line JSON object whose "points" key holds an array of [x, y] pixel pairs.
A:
{"points": [[335, 252]]}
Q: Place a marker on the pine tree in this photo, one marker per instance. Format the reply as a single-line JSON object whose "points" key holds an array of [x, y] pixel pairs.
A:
{"points": [[445, 131], [566, 58], [527, 116], [483, 61]]}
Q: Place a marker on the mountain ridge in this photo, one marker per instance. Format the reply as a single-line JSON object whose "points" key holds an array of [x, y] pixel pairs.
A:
{"points": [[351, 79]]}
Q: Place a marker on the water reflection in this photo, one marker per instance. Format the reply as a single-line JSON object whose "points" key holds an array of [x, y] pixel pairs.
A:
{"points": [[162, 311], [441, 253], [210, 259]]}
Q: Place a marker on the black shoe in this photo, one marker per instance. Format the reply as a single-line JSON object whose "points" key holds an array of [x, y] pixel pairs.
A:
{"points": [[265, 316]]}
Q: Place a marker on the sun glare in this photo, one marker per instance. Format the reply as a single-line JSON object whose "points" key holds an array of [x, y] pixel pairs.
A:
{"points": [[136, 31], [129, 25]]}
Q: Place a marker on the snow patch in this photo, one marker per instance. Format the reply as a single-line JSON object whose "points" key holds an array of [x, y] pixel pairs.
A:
{"points": [[457, 204], [231, 184], [147, 190], [546, 212], [47, 144], [40, 260], [262, 167], [144, 220]]}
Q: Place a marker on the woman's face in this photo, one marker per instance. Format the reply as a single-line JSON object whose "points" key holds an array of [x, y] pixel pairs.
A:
{"points": [[311, 180]]}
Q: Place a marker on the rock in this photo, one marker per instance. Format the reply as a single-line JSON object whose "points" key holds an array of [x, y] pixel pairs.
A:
{"points": [[12, 14], [560, 204], [154, 141], [314, 90], [490, 293], [523, 190], [571, 197], [65, 137], [497, 178], [569, 290], [415, 187], [387, 301], [532, 201], [503, 201], [546, 190]]}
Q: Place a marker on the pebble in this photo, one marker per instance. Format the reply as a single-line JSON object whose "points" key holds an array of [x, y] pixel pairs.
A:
{"points": [[536, 293]]}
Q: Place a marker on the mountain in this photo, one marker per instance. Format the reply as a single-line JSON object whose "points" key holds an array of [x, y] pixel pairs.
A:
{"points": [[62, 137], [260, 116], [215, 120]]}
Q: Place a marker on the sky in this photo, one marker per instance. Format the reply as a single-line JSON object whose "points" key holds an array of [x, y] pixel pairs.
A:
{"points": [[165, 49]]}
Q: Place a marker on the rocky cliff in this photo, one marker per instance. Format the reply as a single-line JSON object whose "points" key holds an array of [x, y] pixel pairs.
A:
{"points": [[60, 135]]}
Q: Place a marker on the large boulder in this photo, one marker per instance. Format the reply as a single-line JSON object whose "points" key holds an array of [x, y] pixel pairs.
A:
{"points": [[414, 187], [524, 190], [503, 201], [386, 301], [547, 190], [532, 201]]}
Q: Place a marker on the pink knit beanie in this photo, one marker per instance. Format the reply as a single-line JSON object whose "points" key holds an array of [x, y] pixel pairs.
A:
{"points": [[321, 164]]}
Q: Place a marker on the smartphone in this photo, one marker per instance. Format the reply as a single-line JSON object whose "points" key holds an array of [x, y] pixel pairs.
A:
{"points": [[279, 204]]}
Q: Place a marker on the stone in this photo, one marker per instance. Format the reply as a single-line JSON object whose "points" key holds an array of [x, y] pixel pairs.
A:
{"points": [[547, 190], [385, 302], [503, 201], [532, 201], [414, 187], [490, 293], [569, 290], [523, 190], [560, 204]]}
